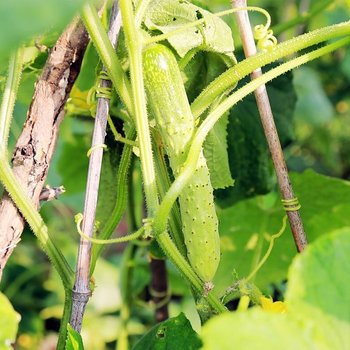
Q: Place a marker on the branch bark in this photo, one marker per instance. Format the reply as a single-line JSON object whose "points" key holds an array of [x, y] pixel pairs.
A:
{"points": [[36, 144]]}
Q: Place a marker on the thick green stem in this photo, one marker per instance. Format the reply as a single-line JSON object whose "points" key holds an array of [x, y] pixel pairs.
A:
{"points": [[35, 221], [160, 222], [228, 79], [140, 11], [175, 256], [134, 44], [67, 309], [126, 295], [164, 183], [107, 54], [9, 96]]}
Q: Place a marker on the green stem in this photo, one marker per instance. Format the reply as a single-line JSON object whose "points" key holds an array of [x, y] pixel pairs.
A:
{"points": [[123, 239], [269, 250], [175, 256], [67, 309], [26, 207], [9, 96], [140, 12], [228, 79], [126, 295], [118, 137], [188, 170], [164, 183], [120, 205], [107, 54], [134, 44]]}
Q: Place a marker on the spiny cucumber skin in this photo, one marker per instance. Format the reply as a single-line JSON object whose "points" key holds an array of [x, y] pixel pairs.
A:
{"points": [[168, 101]]}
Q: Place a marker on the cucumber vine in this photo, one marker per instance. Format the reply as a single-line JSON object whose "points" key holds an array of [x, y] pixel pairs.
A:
{"points": [[161, 120]]}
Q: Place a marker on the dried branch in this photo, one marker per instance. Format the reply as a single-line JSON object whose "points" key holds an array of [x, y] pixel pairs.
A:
{"points": [[36, 144], [81, 290], [269, 127]]}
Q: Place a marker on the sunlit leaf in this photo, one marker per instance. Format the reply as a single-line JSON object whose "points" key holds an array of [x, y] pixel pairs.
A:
{"points": [[169, 15], [8, 323], [74, 340]]}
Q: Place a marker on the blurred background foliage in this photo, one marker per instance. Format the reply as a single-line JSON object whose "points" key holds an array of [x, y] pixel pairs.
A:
{"points": [[312, 108]]}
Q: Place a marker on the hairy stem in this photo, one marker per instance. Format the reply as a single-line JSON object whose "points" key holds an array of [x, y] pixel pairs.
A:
{"points": [[229, 79], [140, 11], [164, 183], [35, 221], [9, 96], [134, 45], [127, 269], [107, 54]]}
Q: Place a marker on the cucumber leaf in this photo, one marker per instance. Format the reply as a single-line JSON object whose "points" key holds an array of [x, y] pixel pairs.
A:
{"points": [[254, 329], [8, 323], [74, 340], [249, 157], [173, 334], [317, 299], [246, 227], [318, 290], [213, 35]]}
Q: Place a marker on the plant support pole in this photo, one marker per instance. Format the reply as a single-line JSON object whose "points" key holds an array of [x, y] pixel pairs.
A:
{"points": [[81, 290], [270, 130]]}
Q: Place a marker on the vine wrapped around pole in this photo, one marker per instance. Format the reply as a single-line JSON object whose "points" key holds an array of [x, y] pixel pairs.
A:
{"points": [[289, 201], [81, 290]]}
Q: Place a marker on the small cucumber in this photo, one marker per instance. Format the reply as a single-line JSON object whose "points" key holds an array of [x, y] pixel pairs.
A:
{"points": [[169, 105]]}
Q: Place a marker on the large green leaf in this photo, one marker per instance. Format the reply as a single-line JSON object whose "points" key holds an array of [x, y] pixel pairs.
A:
{"points": [[318, 286], [169, 15], [310, 94], [246, 227], [253, 330], [173, 334], [249, 157], [318, 307], [8, 323], [21, 20]]}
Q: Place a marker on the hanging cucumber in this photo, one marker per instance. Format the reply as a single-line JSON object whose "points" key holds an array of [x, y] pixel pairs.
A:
{"points": [[169, 105]]}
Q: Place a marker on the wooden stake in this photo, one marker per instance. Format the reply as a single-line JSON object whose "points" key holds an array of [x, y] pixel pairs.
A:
{"points": [[270, 130]]}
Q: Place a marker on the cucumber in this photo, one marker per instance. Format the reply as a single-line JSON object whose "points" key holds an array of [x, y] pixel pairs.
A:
{"points": [[169, 105]]}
